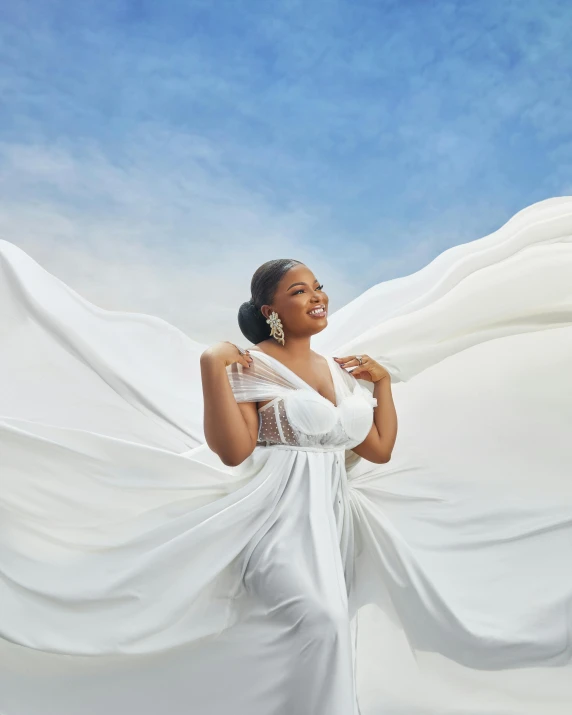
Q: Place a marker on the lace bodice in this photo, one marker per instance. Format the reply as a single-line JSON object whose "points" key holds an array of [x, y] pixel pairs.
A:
{"points": [[297, 414]]}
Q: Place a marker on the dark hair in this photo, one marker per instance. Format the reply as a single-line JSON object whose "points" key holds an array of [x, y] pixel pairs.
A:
{"points": [[251, 320]]}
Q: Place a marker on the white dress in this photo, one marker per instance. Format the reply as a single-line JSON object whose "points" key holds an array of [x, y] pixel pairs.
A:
{"points": [[298, 567], [140, 574]]}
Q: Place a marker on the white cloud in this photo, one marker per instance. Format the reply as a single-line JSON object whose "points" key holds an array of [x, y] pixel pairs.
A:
{"points": [[362, 140], [171, 234]]}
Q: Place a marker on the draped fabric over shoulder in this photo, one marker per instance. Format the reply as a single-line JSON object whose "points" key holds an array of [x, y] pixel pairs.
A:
{"points": [[138, 573]]}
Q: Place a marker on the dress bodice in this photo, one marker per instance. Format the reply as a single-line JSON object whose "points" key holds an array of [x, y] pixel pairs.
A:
{"points": [[297, 414], [306, 420]]}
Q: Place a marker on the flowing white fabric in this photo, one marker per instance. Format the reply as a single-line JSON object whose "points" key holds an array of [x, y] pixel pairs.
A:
{"points": [[139, 574]]}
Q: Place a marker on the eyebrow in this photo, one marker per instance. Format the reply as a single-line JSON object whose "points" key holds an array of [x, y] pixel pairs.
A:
{"points": [[300, 284]]}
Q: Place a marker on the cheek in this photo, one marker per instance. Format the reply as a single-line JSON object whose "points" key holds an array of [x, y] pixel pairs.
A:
{"points": [[294, 311]]}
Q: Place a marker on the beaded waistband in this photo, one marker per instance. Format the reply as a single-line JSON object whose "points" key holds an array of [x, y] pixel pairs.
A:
{"points": [[297, 448]]}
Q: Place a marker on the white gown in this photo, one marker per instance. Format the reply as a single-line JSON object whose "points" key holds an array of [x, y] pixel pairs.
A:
{"points": [[139, 574]]}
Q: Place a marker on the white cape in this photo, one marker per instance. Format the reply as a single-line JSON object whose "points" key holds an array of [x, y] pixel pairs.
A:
{"points": [[115, 553]]}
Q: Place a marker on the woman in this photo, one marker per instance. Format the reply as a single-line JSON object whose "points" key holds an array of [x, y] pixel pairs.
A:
{"points": [[295, 566], [288, 568]]}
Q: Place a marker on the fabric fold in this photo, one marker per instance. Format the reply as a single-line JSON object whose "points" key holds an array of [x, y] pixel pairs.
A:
{"points": [[123, 537]]}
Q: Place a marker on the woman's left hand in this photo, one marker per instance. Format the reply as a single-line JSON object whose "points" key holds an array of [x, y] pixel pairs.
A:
{"points": [[369, 369]]}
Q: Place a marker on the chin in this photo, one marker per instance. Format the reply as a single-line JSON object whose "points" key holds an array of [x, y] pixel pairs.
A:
{"points": [[318, 328]]}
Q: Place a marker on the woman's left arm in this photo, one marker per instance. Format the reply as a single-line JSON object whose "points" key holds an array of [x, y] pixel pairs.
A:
{"points": [[378, 445]]}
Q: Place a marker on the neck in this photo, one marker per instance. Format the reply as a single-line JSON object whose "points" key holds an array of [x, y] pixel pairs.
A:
{"points": [[296, 348]]}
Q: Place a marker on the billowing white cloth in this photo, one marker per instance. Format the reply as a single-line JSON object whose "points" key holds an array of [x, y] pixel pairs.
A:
{"points": [[139, 574]]}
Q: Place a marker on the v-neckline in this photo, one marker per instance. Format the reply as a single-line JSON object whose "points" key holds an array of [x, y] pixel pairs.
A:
{"points": [[327, 359]]}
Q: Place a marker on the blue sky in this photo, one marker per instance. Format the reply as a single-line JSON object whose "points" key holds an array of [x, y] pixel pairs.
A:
{"points": [[175, 146]]}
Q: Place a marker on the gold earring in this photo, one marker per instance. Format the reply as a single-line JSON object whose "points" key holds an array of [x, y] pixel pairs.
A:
{"points": [[276, 330]]}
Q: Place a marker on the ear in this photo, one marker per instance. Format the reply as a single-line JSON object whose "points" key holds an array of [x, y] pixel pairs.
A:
{"points": [[265, 310]]}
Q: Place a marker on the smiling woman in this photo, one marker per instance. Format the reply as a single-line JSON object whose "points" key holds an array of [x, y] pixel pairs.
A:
{"points": [[291, 303], [295, 574], [287, 554], [289, 299]]}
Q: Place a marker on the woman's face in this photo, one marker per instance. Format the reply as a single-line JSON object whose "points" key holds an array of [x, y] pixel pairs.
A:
{"points": [[297, 301]]}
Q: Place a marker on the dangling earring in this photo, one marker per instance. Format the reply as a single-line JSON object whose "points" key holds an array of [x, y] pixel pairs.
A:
{"points": [[276, 327]]}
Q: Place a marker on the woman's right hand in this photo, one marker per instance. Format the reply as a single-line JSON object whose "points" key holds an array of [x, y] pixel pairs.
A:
{"points": [[228, 353]]}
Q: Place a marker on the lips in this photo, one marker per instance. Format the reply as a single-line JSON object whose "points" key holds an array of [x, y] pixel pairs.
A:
{"points": [[318, 312]]}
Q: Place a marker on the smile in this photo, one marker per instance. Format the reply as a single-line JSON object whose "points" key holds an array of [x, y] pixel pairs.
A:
{"points": [[318, 312]]}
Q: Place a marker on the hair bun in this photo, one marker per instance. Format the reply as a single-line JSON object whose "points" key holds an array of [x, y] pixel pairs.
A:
{"points": [[252, 323]]}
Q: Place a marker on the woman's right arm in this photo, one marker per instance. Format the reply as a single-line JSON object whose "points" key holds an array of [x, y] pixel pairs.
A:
{"points": [[231, 428]]}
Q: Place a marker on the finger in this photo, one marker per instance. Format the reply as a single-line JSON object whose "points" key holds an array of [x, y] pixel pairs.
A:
{"points": [[353, 363], [246, 358], [358, 373], [348, 361], [364, 361], [352, 359]]}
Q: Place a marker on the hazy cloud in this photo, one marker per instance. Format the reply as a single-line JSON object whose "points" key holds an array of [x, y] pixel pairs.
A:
{"points": [[153, 155]]}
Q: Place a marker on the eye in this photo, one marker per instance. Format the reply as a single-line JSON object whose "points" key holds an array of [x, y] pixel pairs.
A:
{"points": [[301, 290]]}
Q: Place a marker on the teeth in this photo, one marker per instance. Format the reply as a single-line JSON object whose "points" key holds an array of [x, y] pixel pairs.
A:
{"points": [[317, 311]]}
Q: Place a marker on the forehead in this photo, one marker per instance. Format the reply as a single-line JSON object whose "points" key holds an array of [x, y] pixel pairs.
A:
{"points": [[300, 273]]}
